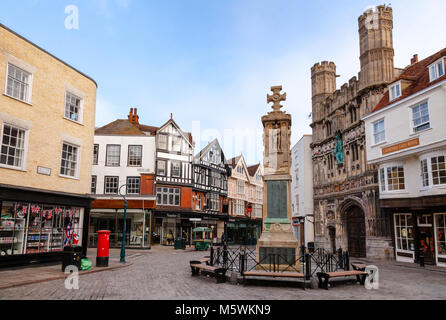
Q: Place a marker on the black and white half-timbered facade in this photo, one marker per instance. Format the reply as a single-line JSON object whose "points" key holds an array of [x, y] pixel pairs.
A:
{"points": [[174, 154], [210, 178]]}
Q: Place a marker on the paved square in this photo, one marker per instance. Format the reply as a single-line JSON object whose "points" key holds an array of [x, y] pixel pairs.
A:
{"points": [[163, 273]]}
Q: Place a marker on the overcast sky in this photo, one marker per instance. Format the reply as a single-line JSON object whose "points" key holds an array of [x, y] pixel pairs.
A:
{"points": [[212, 62]]}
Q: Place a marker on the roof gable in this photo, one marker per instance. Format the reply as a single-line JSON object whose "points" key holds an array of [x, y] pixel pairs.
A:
{"points": [[216, 150], [186, 135], [417, 75], [120, 127]]}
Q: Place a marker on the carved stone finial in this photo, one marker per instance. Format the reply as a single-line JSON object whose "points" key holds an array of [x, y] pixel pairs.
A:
{"points": [[276, 97]]}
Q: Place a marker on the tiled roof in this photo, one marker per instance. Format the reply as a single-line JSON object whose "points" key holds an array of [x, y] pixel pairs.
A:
{"points": [[253, 169], [125, 128], [418, 75], [233, 161]]}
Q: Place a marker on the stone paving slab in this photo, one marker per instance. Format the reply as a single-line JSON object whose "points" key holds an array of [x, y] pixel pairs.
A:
{"points": [[164, 273], [25, 275]]}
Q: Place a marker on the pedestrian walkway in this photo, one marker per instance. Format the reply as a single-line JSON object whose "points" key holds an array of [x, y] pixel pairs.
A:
{"points": [[19, 276]]}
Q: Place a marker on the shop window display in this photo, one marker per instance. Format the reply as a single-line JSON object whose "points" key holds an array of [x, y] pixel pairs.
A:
{"points": [[440, 230], [404, 232], [36, 228]]}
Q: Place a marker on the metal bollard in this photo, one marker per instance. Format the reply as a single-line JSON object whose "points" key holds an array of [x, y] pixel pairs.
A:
{"points": [[307, 267], [211, 260]]}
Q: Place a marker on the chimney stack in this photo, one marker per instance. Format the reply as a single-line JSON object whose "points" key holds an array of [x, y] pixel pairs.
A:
{"points": [[414, 59], [133, 116]]}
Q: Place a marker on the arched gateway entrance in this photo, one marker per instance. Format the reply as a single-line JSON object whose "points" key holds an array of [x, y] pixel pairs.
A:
{"points": [[356, 232]]}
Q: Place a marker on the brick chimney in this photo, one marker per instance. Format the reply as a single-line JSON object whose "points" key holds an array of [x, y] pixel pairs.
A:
{"points": [[133, 116], [414, 59]]}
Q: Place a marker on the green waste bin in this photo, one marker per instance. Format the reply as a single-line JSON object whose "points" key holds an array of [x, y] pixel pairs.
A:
{"points": [[178, 245]]}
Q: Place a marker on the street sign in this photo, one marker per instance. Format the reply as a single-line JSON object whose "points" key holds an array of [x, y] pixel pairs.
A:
{"points": [[249, 209]]}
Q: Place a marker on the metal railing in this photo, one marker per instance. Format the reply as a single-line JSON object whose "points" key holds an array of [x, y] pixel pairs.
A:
{"points": [[244, 259]]}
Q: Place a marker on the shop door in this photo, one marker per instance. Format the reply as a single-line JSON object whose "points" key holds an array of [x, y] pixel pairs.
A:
{"points": [[427, 244], [356, 233]]}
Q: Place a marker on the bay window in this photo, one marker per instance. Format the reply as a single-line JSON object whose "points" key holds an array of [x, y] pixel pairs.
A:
{"points": [[392, 178], [433, 170]]}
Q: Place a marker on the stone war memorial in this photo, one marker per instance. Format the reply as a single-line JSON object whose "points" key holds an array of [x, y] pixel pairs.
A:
{"points": [[277, 234]]}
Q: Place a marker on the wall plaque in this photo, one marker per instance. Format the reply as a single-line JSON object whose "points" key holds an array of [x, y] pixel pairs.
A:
{"points": [[44, 171], [277, 199]]}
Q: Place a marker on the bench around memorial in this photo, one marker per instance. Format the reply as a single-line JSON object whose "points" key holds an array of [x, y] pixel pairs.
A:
{"points": [[198, 267], [272, 275], [324, 277]]}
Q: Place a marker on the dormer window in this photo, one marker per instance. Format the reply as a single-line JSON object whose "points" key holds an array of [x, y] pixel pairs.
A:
{"points": [[395, 91], [436, 70]]}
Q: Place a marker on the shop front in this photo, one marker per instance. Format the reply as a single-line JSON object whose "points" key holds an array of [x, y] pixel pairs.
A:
{"points": [[109, 215], [170, 226], [243, 231], [137, 227], [35, 226], [419, 233]]}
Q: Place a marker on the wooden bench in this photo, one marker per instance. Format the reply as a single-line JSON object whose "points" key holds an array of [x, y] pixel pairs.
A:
{"points": [[198, 267], [324, 277], [273, 275]]}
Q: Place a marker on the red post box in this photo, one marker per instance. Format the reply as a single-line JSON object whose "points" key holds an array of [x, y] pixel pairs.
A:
{"points": [[103, 246]]}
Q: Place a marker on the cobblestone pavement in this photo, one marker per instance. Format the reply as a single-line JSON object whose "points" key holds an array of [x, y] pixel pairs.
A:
{"points": [[163, 273]]}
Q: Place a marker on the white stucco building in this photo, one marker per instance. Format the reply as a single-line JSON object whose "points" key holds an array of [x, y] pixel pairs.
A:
{"points": [[124, 155], [406, 140], [302, 191]]}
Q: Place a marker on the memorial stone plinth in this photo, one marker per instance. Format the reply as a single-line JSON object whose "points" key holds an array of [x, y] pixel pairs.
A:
{"points": [[277, 239]]}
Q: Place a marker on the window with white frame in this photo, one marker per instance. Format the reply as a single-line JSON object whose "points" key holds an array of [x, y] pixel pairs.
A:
{"points": [[168, 196], [162, 141], [72, 107], [404, 232], [133, 185], [241, 187], [176, 143], [113, 155], [111, 185], [240, 169], [239, 207], [18, 83], [379, 132], [94, 180], [13, 146], [135, 156], [95, 154], [392, 178], [420, 117], [161, 168], [176, 169], [395, 91], [424, 173], [213, 201], [436, 70], [70, 160], [438, 170], [433, 170]]}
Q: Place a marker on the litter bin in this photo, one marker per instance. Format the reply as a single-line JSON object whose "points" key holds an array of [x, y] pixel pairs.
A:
{"points": [[180, 244], [72, 256]]}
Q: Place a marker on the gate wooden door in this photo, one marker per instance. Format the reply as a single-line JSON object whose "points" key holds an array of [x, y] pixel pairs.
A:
{"points": [[356, 233]]}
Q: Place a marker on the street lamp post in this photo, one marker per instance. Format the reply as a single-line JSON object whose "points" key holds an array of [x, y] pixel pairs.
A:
{"points": [[125, 225]]}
